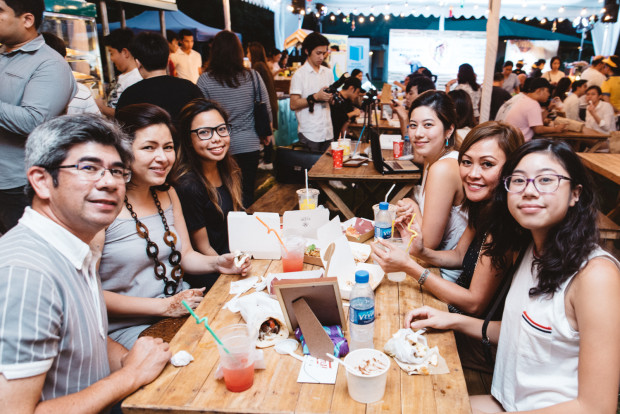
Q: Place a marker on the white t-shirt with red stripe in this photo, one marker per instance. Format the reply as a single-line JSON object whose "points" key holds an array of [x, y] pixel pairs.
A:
{"points": [[538, 350]]}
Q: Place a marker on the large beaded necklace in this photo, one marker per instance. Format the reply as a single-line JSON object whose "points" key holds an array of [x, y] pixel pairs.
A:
{"points": [[152, 251]]}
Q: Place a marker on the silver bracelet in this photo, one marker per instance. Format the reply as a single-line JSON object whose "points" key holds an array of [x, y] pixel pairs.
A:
{"points": [[423, 276]]}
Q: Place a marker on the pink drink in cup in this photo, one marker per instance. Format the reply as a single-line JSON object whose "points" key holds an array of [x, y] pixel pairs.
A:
{"points": [[237, 363], [293, 255]]}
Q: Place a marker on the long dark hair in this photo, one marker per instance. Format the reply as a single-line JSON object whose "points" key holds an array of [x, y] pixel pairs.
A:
{"points": [[568, 244], [225, 63], [257, 53], [189, 161], [443, 106], [508, 139], [561, 88], [464, 108], [467, 75]]}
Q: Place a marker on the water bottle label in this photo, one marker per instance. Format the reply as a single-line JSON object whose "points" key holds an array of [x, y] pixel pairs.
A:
{"points": [[383, 232], [362, 316]]}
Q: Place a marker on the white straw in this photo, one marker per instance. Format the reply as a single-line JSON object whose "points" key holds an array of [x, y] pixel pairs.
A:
{"points": [[388, 193], [306, 171]]}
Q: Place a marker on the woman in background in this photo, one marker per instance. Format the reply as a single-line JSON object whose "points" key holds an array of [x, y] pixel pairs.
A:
{"points": [[555, 74], [235, 88], [466, 79], [256, 53], [464, 114]]}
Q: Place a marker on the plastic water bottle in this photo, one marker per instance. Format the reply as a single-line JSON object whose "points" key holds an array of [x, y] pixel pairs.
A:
{"points": [[361, 313], [383, 222], [406, 145]]}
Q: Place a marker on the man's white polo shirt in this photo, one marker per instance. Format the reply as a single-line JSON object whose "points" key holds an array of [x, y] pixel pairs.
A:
{"points": [[316, 126]]}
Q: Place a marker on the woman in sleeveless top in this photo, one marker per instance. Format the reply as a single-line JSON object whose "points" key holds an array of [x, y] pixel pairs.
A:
{"points": [[558, 339], [437, 207], [145, 247]]}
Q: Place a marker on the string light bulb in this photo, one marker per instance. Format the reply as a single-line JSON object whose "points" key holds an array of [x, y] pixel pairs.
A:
{"points": [[361, 19], [332, 17], [371, 18], [543, 21], [387, 17]]}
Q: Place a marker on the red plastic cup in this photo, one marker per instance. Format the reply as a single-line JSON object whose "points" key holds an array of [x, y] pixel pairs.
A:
{"points": [[398, 148], [337, 155]]}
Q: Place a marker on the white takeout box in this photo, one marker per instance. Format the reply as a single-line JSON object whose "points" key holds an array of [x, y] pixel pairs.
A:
{"points": [[249, 235], [304, 223], [342, 265], [387, 140]]}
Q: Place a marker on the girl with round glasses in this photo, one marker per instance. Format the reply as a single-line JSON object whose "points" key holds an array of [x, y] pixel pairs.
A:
{"points": [[439, 197], [207, 179], [558, 339], [147, 249]]}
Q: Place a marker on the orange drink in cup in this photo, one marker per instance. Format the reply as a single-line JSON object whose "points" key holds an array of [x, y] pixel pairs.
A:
{"points": [[237, 363], [293, 254]]}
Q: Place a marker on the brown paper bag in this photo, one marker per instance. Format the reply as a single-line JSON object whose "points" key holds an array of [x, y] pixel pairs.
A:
{"points": [[614, 142], [571, 124]]}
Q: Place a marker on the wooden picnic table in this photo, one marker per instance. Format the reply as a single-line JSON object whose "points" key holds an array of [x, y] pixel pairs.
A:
{"points": [[608, 166], [588, 140], [193, 388], [323, 171]]}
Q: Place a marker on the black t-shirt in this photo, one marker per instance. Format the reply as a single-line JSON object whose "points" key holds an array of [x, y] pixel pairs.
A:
{"points": [[339, 111], [168, 92], [498, 97], [200, 212]]}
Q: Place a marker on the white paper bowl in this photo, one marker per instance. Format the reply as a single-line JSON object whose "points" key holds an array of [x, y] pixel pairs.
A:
{"points": [[366, 388]]}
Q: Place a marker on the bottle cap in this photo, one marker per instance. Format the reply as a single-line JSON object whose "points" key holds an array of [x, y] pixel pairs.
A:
{"points": [[362, 276], [384, 205]]}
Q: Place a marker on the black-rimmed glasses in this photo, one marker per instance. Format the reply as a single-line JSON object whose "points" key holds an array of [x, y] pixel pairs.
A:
{"points": [[206, 133], [544, 183], [93, 171]]}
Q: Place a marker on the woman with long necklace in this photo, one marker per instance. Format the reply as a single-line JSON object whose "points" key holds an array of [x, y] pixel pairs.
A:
{"points": [[147, 244]]}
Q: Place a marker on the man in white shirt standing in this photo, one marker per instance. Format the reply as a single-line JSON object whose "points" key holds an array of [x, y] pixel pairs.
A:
{"points": [[600, 114], [571, 103], [187, 62], [308, 97]]}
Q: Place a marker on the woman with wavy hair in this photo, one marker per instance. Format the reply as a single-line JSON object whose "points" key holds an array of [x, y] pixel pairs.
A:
{"points": [[466, 80], [235, 88], [558, 339], [147, 249]]}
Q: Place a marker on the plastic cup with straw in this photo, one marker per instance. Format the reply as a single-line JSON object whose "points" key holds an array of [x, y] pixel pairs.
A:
{"points": [[205, 321], [269, 230], [413, 232]]}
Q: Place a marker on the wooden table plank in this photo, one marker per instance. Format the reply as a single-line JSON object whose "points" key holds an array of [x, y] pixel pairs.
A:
{"points": [[607, 165], [587, 136]]}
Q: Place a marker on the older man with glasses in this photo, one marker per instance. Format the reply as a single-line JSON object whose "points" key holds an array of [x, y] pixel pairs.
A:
{"points": [[54, 351]]}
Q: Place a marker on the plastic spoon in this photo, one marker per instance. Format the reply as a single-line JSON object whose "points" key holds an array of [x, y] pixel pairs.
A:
{"points": [[288, 347], [344, 364]]}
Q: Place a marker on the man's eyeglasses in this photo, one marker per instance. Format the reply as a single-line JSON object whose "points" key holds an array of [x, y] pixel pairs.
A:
{"points": [[93, 171], [206, 133], [544, 183]]}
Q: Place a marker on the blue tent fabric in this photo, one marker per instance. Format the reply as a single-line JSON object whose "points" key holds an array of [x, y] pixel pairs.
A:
{"points": [[175, 21], [510, 29]]}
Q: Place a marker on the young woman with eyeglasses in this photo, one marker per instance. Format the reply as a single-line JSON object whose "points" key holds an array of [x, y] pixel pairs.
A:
{"points": [[438, 199], [147, 249], [206, 177], [558, 339]]}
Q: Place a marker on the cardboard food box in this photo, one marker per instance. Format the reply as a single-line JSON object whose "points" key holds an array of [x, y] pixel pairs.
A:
{"points": [[313, 260], [359, 229]]}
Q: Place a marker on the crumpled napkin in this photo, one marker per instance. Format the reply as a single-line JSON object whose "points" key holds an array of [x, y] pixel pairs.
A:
{"points": [[411, 352], [239, 287], [181, 358], [259, 363]]}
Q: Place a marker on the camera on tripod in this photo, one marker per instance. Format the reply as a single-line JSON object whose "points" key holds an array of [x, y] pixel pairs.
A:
{"points": [[369, 98]]}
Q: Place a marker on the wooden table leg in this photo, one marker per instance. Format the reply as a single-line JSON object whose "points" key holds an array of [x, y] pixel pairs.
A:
{"points": [[402, 193], [331, 194]]}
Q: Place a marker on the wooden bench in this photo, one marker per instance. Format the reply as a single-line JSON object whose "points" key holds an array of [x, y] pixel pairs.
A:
{"points": [[278, 199]]}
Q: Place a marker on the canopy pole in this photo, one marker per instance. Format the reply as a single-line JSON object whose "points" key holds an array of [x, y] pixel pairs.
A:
{"points": [[162, 22], [489, 59], [105, 24], [123, 19], [226, 15]]}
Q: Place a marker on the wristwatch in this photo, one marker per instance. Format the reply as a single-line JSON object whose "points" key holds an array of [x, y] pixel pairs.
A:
{"points": [[311, 102]]}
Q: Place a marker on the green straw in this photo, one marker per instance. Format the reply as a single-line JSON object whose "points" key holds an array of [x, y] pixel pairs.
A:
{"points": [[205, 321]]}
